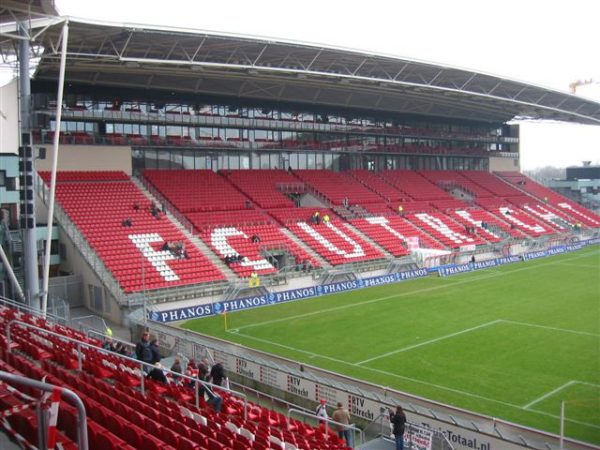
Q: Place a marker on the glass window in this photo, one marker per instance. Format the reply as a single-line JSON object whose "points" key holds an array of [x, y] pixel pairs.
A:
{"points": [[164, 159], [137, 160], [319, 161], [264, 161], [302, 161], [188, 159], [234, 161], [244, 162], [151, 159], [176, 159], [199, 161]]}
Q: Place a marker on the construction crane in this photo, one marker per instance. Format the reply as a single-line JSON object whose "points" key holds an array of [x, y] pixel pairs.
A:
{"points": [[575, 84]]}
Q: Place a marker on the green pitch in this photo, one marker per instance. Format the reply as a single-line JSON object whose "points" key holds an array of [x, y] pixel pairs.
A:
{"points": [[511, 342]]}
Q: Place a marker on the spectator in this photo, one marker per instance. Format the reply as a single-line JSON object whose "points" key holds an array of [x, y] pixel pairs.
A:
{"points": [[143, 352], [127, 222], [108, 344], [398, 420], [121, 349], [255, 238], [342, 416], [203, 374], [217, 374], [156, 373], [191, 371], [176, 367], [326, 219], [136, 207], [203, 377], [321, 412], [155, 351]]}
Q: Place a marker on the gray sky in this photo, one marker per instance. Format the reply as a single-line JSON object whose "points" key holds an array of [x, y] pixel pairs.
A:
{"points": [[548, 43]]}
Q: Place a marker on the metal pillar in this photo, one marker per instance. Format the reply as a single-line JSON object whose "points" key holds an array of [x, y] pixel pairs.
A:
{"points": [[59, 100], [28, 226]]}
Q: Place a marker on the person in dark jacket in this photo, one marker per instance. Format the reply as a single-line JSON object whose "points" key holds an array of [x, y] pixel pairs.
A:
{"points": [[143, 352], [155, 351], [157, 374], [398, 419], [217, 374], [203, 390]]}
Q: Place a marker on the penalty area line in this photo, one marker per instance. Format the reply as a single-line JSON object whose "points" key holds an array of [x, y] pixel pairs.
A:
{"points": [[414, 380], [431, 341], [549, 394]]}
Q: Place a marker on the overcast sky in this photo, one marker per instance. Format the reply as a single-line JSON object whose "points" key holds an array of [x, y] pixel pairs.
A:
{"points": [[548, 43]]}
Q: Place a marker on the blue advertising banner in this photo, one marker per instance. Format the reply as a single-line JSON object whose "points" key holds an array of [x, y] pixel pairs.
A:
{"points": [[194, 312], [281, 297]]}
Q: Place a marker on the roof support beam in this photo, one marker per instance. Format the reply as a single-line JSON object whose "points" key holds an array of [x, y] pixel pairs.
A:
{"points": [[259, 55], [198, 49], [314, 59]]}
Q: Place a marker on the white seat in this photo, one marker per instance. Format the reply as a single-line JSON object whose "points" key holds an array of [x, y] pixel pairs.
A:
{"points": [[232, 427], [200, 419], [246, 433], [276, 441]]}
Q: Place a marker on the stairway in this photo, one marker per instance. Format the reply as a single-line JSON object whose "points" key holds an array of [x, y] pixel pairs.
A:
{"points": [[370, 241], [205, 249], [324, 264]]}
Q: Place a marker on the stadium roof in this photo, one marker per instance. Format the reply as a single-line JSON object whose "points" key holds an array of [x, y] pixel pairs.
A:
{"points": [[242, 67]]}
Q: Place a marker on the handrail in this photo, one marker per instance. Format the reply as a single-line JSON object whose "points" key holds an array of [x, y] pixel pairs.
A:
{"points": [[67, 394], [206, 384], [327, 421], [90, 316], [29, 309], [104, 336], [410, 426]]}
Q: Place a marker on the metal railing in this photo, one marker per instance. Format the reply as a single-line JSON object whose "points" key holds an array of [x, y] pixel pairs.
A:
{"points": [[80, 356], [351, 427], [67, 394], [31, 310], [439, 441]]}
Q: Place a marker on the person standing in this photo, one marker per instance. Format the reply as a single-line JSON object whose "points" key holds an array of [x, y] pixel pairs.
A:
{"points": [[398, 420], [143, 352], [342, 417], [321, 412], [155, 351]]}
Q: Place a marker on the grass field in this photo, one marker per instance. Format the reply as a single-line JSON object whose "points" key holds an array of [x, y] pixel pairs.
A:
{"points": [[510, 342]]}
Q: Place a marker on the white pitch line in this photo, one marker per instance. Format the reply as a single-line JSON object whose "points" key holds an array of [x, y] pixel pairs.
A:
{"points": [[489, 273], [549, 394], [588, 384], [587, 266], [431, 341], [414, 380], [546, 327]]}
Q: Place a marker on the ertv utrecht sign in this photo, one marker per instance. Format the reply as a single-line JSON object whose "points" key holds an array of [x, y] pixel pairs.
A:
{"points": [[210, 309]]}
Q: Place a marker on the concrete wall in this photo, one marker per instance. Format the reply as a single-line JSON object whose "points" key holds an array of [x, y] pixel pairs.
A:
{"points": [[76, 263], [9, 118], [504, 164], [88, 157]]}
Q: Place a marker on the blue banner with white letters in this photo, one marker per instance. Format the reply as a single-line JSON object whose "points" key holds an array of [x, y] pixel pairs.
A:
{"points": [[210, 309]]}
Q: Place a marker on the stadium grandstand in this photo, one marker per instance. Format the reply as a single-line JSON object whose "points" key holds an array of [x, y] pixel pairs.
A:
{"points": [[151, 175]]}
